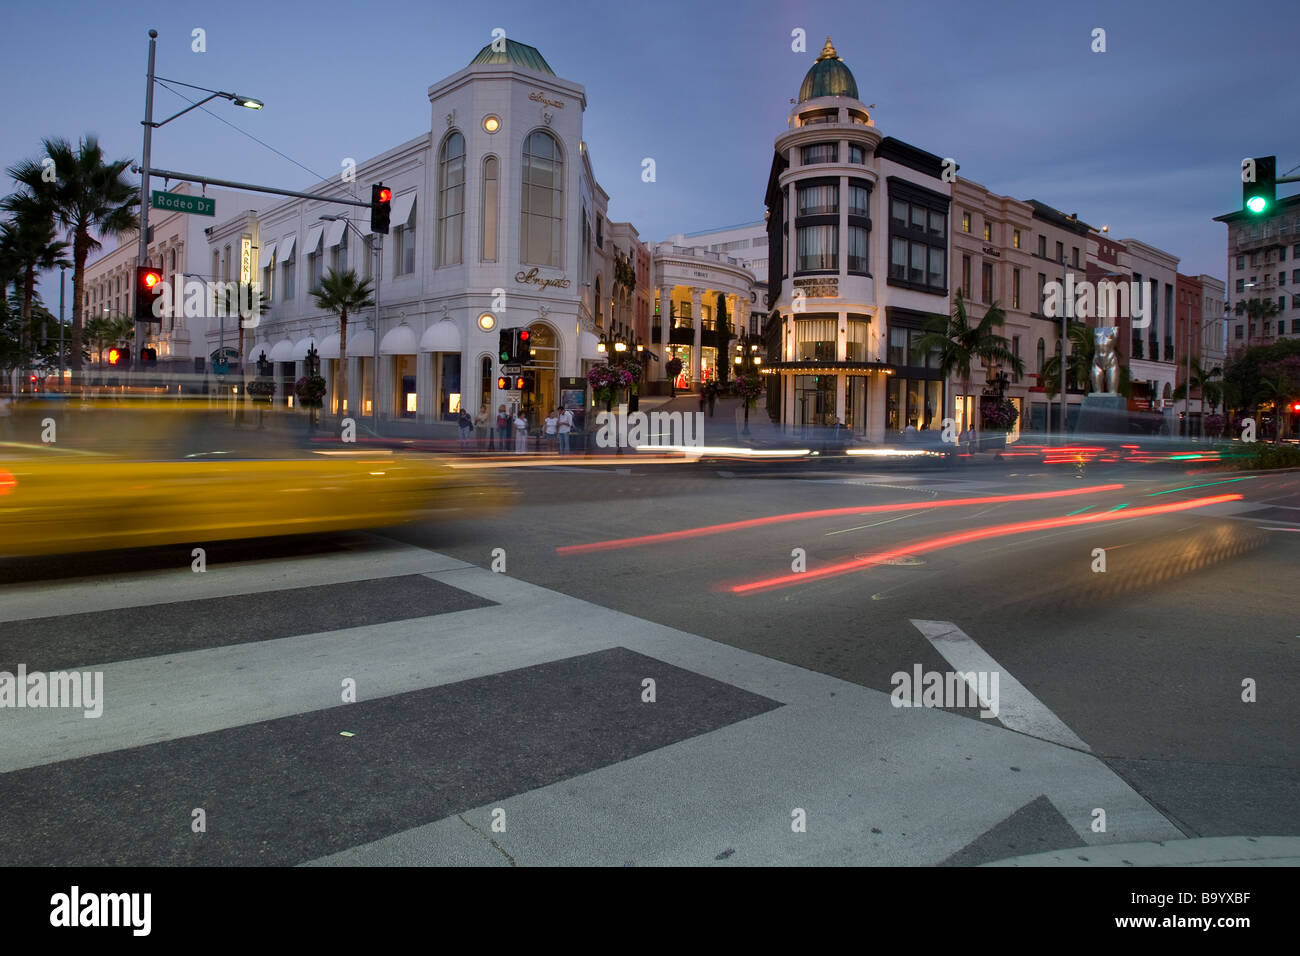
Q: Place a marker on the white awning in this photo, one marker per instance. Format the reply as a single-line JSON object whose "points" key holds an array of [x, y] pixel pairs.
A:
{"points": [[329, 346], [283, 352], [398, 341], [301, 347], [587, 346], [334, 233], [284, 251], [442, 336], [313, 239], [267, 256], [362, 345], [401, 209], [255, 351]]}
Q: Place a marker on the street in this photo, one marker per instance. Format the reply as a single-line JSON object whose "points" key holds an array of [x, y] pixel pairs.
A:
{"points": [[597, 675]]}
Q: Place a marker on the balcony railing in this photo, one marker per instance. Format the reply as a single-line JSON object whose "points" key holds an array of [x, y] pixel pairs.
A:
{"points": [[667, 248]]}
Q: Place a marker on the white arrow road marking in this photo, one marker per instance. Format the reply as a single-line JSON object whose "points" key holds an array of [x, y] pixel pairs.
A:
{"points": [[1018, 709]]}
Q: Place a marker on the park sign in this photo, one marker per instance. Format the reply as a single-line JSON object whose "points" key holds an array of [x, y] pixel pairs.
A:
{"points": [[179, 202]]}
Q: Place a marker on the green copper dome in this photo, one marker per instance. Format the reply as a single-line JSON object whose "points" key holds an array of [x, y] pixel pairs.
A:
{"points": [[520, 54], [828, 77]]}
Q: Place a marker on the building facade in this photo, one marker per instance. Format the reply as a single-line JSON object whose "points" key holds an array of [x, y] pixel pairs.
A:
{"points": [[1264, 264], [497, 222]]}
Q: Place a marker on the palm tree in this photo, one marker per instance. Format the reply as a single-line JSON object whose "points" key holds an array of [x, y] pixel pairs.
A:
{"points": [[343, 292], [1257, 310], [102, 331], [88, 196], [1205, 383], [30, 245], [959, 344], [1078, 365]]}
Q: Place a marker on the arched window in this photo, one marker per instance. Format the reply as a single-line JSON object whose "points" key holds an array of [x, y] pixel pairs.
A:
{"points": [[491, 195], [1042, 355], [541, 209], [599, 311], [451, 195]]}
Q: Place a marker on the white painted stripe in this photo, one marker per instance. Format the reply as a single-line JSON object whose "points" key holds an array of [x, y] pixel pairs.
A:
{"points": [[1018, 709], [877, 524]]}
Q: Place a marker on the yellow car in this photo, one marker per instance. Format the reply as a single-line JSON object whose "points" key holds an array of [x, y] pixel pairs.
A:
{"points": [[137, 475]]}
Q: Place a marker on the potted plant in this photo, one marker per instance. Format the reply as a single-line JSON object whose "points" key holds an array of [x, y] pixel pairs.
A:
{"points": [[605, 381], [674, 368], [261, 389], [310, 393], [999, 416]]}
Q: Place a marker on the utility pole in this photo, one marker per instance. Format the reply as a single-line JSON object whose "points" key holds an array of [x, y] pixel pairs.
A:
{"points": [[61, 287], [142, 253], [374, 373]]}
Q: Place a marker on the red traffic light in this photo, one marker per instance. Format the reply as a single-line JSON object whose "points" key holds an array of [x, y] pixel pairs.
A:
{"points": [[523, 335], [1295, 406], [385, 195], [150, 278]]}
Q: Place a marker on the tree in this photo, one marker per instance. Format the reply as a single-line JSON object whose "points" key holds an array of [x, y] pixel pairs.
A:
{"points": [[724, 339], [30, 247], [960, 344], [103, 331], [230, 297], [1257, 310], [1083, 348], [341, 293], [1208, 383], [88, 196]]}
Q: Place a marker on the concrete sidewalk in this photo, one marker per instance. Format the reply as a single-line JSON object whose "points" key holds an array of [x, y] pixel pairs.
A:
{"points": [[1203, 851]]}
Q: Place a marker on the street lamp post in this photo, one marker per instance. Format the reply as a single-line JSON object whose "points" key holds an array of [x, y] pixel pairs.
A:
{"points": [[1065, 275], [142, 253]]}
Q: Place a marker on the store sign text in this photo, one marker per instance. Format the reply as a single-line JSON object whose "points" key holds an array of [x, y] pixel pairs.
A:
{"points": [[532, 278]]}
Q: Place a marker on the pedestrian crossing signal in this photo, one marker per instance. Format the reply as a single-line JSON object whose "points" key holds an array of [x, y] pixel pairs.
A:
{"points": [[503, 383]]}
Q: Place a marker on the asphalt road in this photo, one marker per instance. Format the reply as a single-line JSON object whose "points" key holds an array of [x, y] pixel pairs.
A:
{"points": [[499, 668]]}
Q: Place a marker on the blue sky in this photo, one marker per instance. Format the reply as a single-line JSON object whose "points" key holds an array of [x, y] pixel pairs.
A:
{"points": [[1146, 137]]}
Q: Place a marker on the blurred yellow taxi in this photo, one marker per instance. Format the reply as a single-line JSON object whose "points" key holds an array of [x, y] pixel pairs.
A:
{"points": [[128, 475]]}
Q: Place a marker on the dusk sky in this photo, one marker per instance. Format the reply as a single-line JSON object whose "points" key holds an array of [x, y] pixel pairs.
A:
{"points": [[1146, 137]]}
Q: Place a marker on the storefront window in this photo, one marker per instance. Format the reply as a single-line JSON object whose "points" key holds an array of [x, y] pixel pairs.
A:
{"points": [[914, 402], [855, 406], [814, 397], [815, 340]]}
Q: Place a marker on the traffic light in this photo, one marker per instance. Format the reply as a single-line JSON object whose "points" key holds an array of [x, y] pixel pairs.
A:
{"points": [[521, 383], [118, 357], [503, 383], [1258, 184], [148, 290], [148, 357], [1295, 407], [506, 351], [523, 341], [514, 346], [381, 208]]}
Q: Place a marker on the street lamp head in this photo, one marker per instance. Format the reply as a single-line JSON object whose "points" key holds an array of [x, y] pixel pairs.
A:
{"points": [[247, 102]]}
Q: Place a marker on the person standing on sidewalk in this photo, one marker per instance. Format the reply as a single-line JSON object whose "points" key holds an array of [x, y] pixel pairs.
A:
{"points": [[552, 422], [483, 428], [564, 427], [503, 427], [521, 433]]}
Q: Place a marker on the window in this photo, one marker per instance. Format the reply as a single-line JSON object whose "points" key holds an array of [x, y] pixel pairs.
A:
{"points": [[1241, 285], [857, 154], [1015, 239], [451, 199], [1238, 332], [1295, 326], [1281, 254], [1241, 262], [340, 253], [313, 270], [820, 153], [488, 252], [1042, 247], [819, 200], [859, 201], [1060, 252], [1042, 355], [1281, 302], [858, 249], [541, 232], [986, 281], [404, 246], [818, 248], [988, 231], [1015, 352], [1042, 292], [268, 291], [918, 237], [287, 270], [226, 274], [1015, 288], [965, 222], [216, 263], [600, 313], [965, 277]]}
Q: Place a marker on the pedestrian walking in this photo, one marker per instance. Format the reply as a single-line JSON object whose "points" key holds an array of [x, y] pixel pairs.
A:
{"points": [[483, 427], [503, 428], [551, 427], [521, 433], [713, 396], [565, 426]]}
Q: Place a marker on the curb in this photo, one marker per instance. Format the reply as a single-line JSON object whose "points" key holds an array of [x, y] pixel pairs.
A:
{"points": [[1204, 851]]}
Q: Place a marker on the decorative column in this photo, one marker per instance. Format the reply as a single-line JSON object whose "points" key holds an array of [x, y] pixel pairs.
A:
{"points": [[842, 355], [425, 397], [697, 299], [665, 319]]}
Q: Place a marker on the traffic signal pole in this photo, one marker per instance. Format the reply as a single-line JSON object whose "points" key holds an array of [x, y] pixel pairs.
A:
{"points": [[142, 254]]}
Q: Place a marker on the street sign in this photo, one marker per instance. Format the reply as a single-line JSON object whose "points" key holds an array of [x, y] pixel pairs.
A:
{"points": [[511, 369], [179, 202]]}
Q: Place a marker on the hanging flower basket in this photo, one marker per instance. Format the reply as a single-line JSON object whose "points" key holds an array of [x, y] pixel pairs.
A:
{"points": [[605, 380], [999, 415], [310, 391], [748, 387], [261, 390]]}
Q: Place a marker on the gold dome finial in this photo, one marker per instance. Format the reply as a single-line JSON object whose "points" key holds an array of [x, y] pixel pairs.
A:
{"points": [[828, 51]]}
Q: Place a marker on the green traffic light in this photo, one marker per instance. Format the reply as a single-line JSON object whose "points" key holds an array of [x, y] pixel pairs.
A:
{"points": [[1256, 204]]}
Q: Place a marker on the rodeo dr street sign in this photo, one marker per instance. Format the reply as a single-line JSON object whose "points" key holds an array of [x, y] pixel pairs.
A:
{"points": [[179, 202]]}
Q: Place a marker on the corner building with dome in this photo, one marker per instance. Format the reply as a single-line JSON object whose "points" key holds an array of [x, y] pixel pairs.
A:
{"points": [[858, 240]]}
